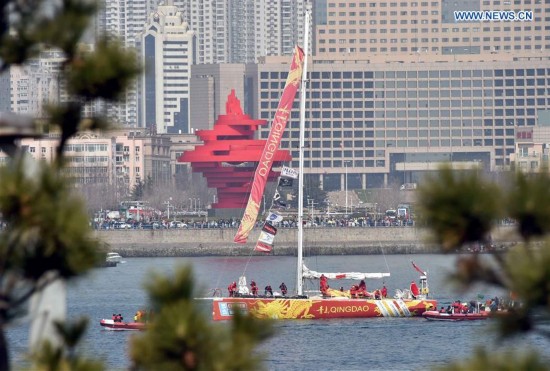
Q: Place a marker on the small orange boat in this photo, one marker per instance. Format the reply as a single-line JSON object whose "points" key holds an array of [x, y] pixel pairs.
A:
{"points": [[110, 324], [433, 315]]}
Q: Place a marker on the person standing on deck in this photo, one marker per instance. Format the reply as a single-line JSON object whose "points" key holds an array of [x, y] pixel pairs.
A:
{"points": [[414, 290], [253, 288], [384, 292], [283, 289], [323, 285], [232, 288], [362, 289]]}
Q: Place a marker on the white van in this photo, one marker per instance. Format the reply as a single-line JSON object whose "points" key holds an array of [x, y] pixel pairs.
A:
{"points": [[408, 187]]}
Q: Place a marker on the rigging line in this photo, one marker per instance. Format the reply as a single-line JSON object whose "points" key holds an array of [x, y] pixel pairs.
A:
{"points": [[384, 255], [244, 200], [266, 212], [223, 269]]}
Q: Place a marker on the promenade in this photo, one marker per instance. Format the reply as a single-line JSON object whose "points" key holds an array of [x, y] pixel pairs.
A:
{"points": [[317, 240]]}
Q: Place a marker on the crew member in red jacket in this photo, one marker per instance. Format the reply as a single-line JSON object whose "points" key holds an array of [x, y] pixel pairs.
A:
{"points": [[384, 291], [353, 291], [414, 290], [232, 288], [323, 285], [362, 289], [253, 288]]}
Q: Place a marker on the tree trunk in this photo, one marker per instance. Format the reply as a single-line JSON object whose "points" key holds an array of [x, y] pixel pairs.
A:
{"points": [[4, 356]]}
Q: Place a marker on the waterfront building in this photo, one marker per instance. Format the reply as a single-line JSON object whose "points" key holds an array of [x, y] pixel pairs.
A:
{"points": [[391, 123], [388, 124], [119, 158]]}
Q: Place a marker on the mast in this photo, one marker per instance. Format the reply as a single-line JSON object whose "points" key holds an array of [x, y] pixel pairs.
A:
{"points": [[299, 278]]}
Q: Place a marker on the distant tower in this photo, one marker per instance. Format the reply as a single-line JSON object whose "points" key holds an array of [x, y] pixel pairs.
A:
{"points": [[167, 50], [230, 154]]}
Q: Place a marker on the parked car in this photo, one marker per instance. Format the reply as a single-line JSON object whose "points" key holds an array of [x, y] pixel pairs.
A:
{"points": [[177, 224]]}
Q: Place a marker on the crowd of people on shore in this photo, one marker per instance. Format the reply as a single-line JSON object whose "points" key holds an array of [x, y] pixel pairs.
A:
{"points": [[327, 222], [318, 221]]}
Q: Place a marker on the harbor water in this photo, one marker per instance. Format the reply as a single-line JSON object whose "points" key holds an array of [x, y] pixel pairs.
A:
{"points": [[343, 344]]}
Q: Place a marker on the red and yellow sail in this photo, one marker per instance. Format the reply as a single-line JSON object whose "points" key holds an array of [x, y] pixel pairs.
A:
{"points": [[273, 141]]}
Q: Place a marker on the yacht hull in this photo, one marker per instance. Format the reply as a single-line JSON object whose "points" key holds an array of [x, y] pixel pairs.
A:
{"points": [[319, 308]]}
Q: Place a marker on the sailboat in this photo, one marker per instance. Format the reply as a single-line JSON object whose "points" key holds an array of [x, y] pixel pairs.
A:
{"points": [[327, 302]]}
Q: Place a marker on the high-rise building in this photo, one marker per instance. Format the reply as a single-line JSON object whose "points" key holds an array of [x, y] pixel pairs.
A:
{"points": [[384, 27], [391, 123], [397, 88], [5, 94], [167, 52], [204, 18], [240, 31], [124, 20], [211, 84], [243, 31], [36, 84]]}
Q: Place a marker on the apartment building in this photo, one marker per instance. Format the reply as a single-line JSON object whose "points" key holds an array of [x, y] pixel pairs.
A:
{"points": [[243, 31], [36, 84], [120, 158], [5, 93]]}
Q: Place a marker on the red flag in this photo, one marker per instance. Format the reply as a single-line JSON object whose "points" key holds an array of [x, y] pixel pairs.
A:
{"points": [[263, 247], [418, 269], [272, 144]]}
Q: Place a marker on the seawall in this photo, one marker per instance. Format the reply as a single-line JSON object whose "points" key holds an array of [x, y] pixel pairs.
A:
{"points": [[318, 240]]}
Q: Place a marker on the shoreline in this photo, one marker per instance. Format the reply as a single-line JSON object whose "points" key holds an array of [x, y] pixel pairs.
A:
{"points": [[317, 241], [151, 251]]}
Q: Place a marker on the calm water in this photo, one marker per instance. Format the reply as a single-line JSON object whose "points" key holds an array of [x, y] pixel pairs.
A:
{"points": [[375, 344]]}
